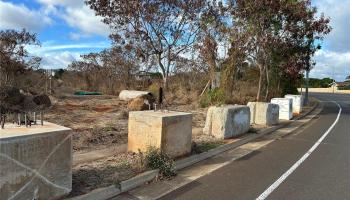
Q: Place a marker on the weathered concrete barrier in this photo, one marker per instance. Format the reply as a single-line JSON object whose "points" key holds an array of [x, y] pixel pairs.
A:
{"points": [[127, 95], [263, 113], [285, 107], [297, 103], [227, 121], [35, 162], [171, 132]]}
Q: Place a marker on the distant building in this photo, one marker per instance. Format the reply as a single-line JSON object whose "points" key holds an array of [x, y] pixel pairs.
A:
{"points": [[340, 85]]}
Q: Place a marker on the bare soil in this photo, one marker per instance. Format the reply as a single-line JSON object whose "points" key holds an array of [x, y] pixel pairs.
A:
{"points": [[100, 122], [97, 121]]}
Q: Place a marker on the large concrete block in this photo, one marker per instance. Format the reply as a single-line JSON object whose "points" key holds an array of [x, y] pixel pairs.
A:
{"points": [[227, 121], [35, 162], [127, 95], [171, 132], [297, 103], [263, 113], [285, 107]]}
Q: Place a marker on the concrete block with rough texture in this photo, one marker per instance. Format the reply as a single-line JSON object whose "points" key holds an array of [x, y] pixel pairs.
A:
{"points": [[263, 113], [127, 95], [35, 162], [170, 132], [285, 107], [227, 121], [297, 103]]}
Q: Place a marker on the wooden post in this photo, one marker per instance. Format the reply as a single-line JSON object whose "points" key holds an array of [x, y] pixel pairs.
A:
{"points": [[19, 119], [34, 118], [25, 120], [42, 118]]}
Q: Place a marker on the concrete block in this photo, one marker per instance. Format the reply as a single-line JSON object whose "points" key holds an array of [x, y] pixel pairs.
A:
{"points": [[171, 132], [285, 107], [35, 162], [227, 121], [263, 113], [297, 103], [127, 95]]}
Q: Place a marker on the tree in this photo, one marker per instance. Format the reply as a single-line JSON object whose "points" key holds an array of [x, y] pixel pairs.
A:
{"points": [[106, 68], [160, 31], [347, 79], [280, 34], [214, 30], [14, 58]]}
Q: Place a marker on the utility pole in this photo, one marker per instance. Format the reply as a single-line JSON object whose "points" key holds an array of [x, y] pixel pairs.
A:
{"points": [[333, 82], [306, 100]]}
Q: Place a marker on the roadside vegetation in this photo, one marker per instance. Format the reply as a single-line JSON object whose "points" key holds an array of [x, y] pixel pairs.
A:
{"points": [[202, 52]]}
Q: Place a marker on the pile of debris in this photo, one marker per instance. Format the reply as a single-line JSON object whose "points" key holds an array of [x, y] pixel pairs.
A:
{"points": [[20, 107]]}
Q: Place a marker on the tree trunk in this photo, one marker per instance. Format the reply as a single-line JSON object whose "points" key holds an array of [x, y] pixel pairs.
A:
{"points": [[260, 82], [164, 72], [267, 83]]}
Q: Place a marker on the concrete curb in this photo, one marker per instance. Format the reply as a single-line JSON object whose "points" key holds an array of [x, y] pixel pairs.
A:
{"points": [[112, 191]]}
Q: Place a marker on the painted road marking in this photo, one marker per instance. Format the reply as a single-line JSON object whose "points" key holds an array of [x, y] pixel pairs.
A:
{"points": [[269, 190]]}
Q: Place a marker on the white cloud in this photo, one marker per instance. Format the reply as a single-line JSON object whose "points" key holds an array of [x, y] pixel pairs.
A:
{"points": [[335, 55], [85, 19], [70, 3], [61, 55], [338, 11], [77, 15], [331, 64], [52, 47], [19, 16], [58, 59]]}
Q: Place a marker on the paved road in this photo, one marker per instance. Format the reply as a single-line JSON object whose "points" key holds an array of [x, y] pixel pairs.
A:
{"points": [[325, 174]]}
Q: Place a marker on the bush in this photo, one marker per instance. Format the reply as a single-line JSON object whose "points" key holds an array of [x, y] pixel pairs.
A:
{"points": [[154, 89], [344, 88], [155, 159], [213, 97]]}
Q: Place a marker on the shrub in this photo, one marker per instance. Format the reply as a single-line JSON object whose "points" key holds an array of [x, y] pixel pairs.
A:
{"points": [[213, 97], [155, 159]]}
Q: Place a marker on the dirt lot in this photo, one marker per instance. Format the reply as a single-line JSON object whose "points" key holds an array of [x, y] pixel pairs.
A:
{"points": [[99, 122]]}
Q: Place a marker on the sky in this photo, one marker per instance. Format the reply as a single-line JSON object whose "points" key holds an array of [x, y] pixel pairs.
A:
{"points": [[68, 28]]}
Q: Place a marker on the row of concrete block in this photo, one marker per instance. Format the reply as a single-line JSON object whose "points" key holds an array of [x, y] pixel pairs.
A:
{"points": [[36, 163], [172, 131]]}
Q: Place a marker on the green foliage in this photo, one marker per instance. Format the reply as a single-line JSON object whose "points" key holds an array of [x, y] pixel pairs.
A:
{"points": [[319, 83], [59, 73], [154, 89], [156, 159], [109, 127], [344, 88], [213, 97], [289, 85], [206, 146]]}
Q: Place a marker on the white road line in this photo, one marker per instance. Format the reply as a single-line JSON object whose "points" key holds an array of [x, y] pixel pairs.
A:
{"points": [[269, 190]]}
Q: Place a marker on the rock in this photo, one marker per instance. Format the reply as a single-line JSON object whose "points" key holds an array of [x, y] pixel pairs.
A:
{"points": [[144, 102], [227, 121], [171, 132], [127, 95], [285, 107], [263, 113]]}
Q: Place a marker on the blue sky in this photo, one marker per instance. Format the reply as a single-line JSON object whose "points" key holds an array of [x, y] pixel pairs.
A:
{"points": [[68, 28]]}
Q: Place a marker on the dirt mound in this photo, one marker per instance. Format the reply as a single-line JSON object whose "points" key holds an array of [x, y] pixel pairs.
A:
{"points": [[144, 102]]}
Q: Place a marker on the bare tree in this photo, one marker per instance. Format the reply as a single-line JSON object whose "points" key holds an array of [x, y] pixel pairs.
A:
{"points": [[159, 31], [14, 58]]}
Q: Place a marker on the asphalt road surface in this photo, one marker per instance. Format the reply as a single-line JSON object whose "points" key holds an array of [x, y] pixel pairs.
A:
{"points": [[312, 164]]}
